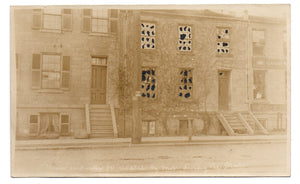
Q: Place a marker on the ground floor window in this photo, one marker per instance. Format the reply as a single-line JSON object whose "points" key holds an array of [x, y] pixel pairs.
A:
{"points": [[259, 84], [45, 124], [148, 128]]}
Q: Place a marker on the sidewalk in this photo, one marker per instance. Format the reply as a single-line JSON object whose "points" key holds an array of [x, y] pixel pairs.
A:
{"points": [[71, 143]]}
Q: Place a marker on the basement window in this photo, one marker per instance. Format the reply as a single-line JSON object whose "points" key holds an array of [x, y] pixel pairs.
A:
{"points": [[186, 83], [223, 41], [185, 38], [148, 86], [148, 128], [147, 36], [259, 84]]}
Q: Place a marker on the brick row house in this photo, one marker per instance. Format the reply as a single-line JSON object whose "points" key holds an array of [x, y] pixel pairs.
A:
{"points": [[194, 72]]}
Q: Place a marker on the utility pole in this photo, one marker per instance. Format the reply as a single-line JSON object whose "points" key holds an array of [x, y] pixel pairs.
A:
{"points": [[136, 106]]}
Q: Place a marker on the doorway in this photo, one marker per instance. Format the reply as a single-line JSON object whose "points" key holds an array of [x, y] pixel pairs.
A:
{"points": [[98, 85], [223, 95]]}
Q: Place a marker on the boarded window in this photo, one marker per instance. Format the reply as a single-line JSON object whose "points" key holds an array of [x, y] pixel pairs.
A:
{"points": [[148, 86], [65, 124], [186, 83], [147, 36], [223, 40], [259, 84], [185, 38]]}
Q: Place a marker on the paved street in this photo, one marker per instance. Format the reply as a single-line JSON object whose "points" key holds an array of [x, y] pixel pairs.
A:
{"points": [[181, 160]]}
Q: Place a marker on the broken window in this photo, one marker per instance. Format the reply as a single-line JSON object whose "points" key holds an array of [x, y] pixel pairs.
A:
{"points": [[185, 38], [223, 38], [186, 83], [148, 87], [148, 36], [259, 84], [148, 128], [258, 45]]}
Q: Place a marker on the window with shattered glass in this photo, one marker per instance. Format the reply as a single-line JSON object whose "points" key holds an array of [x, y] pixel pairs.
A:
{"points": [[148, 86], [186, 83], [147, 36], [259, 84], [223, 38], [185, 38]]}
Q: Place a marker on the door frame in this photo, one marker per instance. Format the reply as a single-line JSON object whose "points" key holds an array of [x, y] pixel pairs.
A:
{"points": [[229, 87], [91, 77]]}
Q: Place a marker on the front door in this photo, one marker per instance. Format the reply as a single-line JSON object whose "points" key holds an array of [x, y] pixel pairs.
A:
{"points": [[98, 86], [223, 90]]}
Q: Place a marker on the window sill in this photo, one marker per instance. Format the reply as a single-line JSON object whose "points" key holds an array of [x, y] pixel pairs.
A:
{"points": [[224, 56], [52, 90], [102, 34], [260, 101], [51, 31]]}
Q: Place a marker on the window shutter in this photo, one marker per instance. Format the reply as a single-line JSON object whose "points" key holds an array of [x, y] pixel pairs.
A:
{"points": [[34, 125], [113, 26], [64, 124], [86, 20], [36, 71], [65, 72], [67, 19], [37, 19]]}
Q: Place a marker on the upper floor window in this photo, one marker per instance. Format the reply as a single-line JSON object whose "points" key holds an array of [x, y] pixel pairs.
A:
{"points": [[148, 83], [258, 42], [50, 71], [52, 19], [100, 20], [185, 38], [186, 83], [147, 36], [223, 40]]}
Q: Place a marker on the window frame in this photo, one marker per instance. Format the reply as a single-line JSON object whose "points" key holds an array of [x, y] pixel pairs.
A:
{"points": [[261, 44], [222, 40], [178, 39], [148, 128], [179, 84], [155, 35], [109, 19], [155, 91], [265, 87]]}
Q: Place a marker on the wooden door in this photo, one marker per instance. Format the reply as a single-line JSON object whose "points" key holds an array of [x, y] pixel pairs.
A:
{"points": [[223, 99], [98, 86]]}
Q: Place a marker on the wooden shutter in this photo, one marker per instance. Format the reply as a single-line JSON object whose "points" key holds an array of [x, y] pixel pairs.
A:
{"points": [[86, 20], [65, 72], [113, 20], [64, 124], [37, 19], [34, 125], [67, 19], [36, 71]]}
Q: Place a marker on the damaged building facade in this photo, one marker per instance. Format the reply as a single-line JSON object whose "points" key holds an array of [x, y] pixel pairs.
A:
{"points": [[193, 73]]}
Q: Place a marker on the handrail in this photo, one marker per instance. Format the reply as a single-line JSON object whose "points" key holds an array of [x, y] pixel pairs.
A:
{"points": [[87, 119], [225, 124], [249, 129], [258, 123], [113, 116]]}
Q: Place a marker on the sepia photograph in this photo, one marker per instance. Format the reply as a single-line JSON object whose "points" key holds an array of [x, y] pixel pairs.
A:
{"points": [[150, 90]]}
